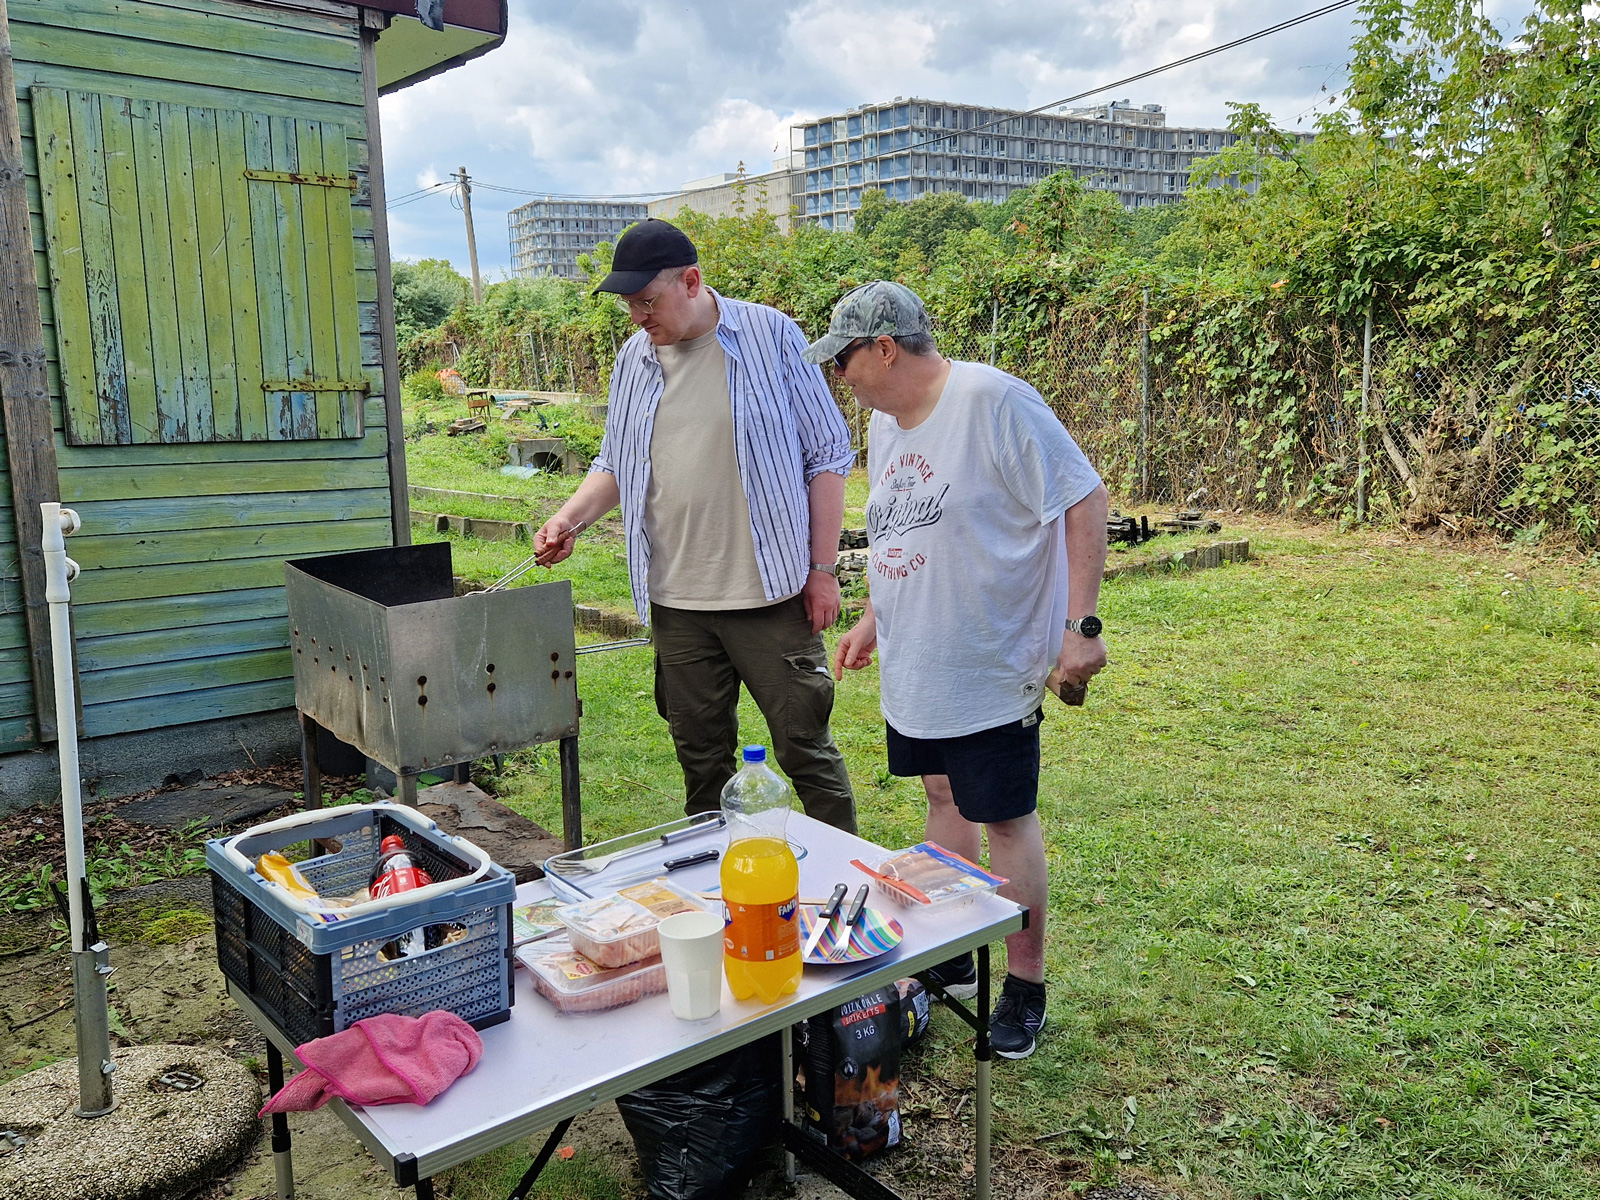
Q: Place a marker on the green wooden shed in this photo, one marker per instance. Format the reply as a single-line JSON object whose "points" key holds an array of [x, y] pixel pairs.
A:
{"points": [[196, 350]]}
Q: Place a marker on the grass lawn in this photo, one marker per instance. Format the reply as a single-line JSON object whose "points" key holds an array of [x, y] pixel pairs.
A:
{"points": [[1324, 915]]}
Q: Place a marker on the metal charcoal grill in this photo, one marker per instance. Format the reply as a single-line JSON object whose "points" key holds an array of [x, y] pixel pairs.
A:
{"points": [[389, 659]]}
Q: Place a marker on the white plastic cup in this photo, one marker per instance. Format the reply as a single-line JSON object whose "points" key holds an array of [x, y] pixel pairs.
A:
{"points": [[691, 950]]}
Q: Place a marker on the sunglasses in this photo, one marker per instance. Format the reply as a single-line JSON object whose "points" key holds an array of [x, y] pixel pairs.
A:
{"points": [[843, 357]]}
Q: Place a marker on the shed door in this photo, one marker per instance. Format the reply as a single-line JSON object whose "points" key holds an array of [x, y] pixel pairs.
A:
{"points": [[203, 271]]}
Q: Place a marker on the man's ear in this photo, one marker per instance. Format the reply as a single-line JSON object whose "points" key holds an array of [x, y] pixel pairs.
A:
{"points": [[693, 281]]}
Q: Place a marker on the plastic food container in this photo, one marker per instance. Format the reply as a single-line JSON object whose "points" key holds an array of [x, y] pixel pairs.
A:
{"points": [[574, 984], [618, 929], [928, 874]]}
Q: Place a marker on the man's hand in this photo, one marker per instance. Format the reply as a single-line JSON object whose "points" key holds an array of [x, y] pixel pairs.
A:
{"points": [[554, 541], [855, 648], [1081, 658], [821, 595]]}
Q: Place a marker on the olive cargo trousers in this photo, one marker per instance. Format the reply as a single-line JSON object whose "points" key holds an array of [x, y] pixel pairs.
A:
{"points": [[701, 659]]}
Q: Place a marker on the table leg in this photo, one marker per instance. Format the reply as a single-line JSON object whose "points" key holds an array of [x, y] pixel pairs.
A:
{"points": [[786, 1082], [520, 1192], [424, 1189], [282, 1165], [981, 1049]]}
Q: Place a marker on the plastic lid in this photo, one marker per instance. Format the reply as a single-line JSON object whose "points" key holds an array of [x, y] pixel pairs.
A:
{"points": [[392, 842], [755, 754]]}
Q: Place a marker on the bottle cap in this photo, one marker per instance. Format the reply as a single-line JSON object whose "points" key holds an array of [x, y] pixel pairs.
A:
{"points": [[755, 754], [392, 842]]}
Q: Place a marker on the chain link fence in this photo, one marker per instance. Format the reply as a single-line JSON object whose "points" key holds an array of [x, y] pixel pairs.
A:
{"points": [[1487, 432], [1499, 426]]}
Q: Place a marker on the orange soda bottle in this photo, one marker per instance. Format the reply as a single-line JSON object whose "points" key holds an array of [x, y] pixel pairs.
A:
{"points": [[760, 884]]}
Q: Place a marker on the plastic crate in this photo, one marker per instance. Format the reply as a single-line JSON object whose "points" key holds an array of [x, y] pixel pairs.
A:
{"points": [[312, 978]]}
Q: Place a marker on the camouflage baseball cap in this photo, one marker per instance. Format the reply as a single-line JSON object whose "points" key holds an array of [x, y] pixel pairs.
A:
{"points": [[876, 309]]}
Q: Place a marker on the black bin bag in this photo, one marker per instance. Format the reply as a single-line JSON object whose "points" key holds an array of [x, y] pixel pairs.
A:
{"points": [[700, 1133]]}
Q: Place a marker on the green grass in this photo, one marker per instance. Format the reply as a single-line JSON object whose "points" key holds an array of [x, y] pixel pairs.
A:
{"points": [[1323, 874], [1323, 843], [585, 1176]]}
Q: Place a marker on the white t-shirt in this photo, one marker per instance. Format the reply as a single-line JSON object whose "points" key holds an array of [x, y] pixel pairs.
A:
{"points": [[968, 569]]}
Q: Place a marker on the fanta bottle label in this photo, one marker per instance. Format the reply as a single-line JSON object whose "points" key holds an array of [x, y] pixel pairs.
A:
{"points": [[761, 932]]}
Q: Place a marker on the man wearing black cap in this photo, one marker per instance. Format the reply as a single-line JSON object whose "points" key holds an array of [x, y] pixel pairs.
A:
{"points": [[728, 456]]}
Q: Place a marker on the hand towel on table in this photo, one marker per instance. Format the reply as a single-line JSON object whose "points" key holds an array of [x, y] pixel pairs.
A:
{"points": [[385, 1059]]}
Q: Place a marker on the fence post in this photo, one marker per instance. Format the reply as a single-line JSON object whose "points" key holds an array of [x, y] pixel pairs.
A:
{"points": [[1144, 395], [1361, 434], [994, 329]]}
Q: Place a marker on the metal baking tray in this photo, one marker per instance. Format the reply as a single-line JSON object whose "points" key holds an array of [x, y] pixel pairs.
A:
{"points": [[602, 868]]}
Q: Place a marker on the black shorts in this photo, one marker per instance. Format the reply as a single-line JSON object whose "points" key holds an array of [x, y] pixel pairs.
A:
{"points": [[994, 773]]}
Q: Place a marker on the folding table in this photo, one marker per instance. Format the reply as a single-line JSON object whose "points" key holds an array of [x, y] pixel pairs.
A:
{"points": [[541, 1068]]}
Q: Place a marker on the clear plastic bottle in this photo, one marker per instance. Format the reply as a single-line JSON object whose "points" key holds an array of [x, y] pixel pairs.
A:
{"points": [[760, 884]]}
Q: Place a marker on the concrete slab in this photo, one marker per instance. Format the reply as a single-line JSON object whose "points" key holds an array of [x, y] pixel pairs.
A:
{"points": [[510, 839], [159, 1142], [215, 804]]}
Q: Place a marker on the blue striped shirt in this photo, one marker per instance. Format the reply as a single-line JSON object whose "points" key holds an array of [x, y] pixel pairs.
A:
{"points": [[787, 430]]}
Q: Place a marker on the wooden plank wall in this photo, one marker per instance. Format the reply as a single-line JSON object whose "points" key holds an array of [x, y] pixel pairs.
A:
{"points": [[179, 611]]}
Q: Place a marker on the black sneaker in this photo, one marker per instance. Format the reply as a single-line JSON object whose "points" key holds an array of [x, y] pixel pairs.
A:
{"points": [[957, 976], [1014, 1027]]}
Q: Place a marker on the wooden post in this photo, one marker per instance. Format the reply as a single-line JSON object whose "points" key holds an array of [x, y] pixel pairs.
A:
{"points": [[25, 388], [472, 237], [1361, 429], [374, 22]]}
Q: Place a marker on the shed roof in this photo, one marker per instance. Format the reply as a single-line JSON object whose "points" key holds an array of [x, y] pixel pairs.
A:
{"points": [[409, 52]]}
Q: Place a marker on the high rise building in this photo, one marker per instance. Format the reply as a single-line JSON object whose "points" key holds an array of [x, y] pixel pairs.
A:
{"points": [[730, 194], [549, 233], [915, 147]]}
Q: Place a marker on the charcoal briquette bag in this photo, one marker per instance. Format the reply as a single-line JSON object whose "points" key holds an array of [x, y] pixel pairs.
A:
{"points": [[853, 1074]]}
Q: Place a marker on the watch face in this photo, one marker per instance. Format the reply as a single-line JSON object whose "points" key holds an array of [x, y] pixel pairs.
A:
{"points": [[1090, 626]]}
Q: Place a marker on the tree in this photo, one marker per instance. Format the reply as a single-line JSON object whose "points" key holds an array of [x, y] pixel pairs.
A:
{"points": [[425, 293]]}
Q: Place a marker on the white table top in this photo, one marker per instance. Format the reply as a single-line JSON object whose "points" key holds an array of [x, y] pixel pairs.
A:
{"points": [[541, 1067]]}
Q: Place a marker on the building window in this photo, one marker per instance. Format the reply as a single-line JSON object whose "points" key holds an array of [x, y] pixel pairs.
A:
{"points": [[854, 126]]}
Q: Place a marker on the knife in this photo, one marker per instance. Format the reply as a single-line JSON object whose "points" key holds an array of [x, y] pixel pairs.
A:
{"points": [[858, 905], [825, 916]]}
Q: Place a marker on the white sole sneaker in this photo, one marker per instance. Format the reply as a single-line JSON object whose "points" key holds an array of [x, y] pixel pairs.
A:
{"points": [[1032, 1046]]}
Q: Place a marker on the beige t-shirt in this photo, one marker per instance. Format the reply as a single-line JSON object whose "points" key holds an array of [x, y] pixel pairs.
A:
{"points": [[702, 554]]}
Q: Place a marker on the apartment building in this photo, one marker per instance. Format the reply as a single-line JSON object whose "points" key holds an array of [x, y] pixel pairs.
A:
{"points": [[731, 194], [549, 233], [915, 147]]}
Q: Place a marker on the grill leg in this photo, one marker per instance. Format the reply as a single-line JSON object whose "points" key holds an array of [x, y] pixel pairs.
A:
{"points": [[310, 765], [282, 1165], [571, 804], [405, 787]]}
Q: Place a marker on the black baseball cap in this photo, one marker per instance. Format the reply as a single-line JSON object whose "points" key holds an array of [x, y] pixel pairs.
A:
{"points": [[644, 250]]}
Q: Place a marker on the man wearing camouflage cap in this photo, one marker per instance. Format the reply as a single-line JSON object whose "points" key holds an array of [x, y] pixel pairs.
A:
{"points": [[987, 529]]}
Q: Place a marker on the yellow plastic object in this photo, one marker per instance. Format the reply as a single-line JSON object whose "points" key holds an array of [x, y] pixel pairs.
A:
{"points": [[275, 868], [761, 948]]}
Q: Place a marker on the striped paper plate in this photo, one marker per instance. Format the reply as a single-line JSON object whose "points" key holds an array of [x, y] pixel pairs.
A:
{"points": [[871, 936]]}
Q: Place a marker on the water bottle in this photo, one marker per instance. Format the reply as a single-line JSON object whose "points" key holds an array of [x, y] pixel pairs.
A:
{"points": [[760, 884]]}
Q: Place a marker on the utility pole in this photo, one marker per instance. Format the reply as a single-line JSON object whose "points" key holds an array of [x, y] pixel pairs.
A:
{"points": [[472, 240]]}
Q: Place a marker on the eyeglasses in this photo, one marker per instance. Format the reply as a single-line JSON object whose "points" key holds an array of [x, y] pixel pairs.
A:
{"points": [[843, 357], [644, 306]]}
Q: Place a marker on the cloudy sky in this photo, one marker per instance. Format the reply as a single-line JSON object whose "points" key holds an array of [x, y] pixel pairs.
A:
{"points": [[622, 96]]}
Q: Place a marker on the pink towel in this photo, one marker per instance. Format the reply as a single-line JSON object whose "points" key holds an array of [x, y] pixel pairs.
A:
{"points": [[386, 1059]]}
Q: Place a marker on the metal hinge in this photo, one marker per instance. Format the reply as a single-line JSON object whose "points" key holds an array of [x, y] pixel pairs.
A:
{"points": [[317, 385], [342, 181]]}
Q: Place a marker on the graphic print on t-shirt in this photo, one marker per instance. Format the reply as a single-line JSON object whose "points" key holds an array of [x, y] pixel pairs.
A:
{"points": [[915, 500]]}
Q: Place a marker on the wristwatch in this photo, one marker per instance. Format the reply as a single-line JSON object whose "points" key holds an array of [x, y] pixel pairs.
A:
{"points": [[827, 568], [1088, 626]]}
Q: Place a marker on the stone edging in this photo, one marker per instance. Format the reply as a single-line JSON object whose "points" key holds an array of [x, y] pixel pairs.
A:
{"points": [[1196, 559]]}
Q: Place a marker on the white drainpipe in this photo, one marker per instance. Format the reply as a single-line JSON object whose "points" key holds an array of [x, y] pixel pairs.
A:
{"points": [[90, 964]]}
